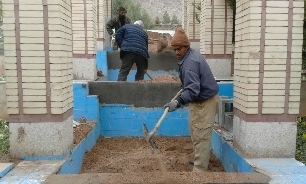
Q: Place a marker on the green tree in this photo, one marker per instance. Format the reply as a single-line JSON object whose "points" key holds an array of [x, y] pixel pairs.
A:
{"points": [[145, 17], [166, 18], [157, 21], [174, 19], [134, 12], [198, 7]]}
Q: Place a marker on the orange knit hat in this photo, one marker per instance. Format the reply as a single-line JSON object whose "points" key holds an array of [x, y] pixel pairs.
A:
{"points": [[179, 38]]}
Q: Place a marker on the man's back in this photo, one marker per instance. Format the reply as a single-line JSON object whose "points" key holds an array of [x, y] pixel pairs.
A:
{"points": [[133, 38]]}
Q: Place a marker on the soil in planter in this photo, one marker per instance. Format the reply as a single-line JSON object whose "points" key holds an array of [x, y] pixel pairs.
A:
{"points": [[80, 132], [162, 78], [123, 155]]}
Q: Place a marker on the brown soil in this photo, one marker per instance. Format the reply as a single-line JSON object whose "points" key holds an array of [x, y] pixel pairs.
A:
{"points": [[159, 42], [5, 158], [162, 78], [123, 155], [80, 132]]}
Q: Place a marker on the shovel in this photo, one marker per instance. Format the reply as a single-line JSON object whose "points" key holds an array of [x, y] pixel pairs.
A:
{"points": [[149, 135], [149, 75]]}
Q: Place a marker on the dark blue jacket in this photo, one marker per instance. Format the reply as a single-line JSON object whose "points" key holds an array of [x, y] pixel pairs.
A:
{"points": [[132, 38], [197, 79]]}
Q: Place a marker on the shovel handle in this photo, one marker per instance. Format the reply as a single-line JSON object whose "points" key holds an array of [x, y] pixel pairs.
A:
{"points": [[149, 75], [151, 134]]}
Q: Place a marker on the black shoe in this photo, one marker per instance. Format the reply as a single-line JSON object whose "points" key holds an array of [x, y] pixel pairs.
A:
{"points": [[191, 162]]}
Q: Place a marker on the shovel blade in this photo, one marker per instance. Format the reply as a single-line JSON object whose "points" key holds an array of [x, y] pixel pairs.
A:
{"points": [[148, 139]]}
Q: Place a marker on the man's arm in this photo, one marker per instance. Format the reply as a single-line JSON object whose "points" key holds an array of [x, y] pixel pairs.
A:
{"points": [[128, 20], [110, 26], [119, 36]]}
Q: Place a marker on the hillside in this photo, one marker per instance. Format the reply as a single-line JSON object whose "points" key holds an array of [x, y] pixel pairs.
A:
{"points": [[159, 7]]}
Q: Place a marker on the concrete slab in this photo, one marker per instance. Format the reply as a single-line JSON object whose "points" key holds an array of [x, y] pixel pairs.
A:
{"points": [[31, 172], [5, 168], [157, 177], [281, 170]]}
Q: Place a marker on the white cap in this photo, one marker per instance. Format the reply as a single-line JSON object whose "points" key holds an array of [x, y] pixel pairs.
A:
{"points": [[139, 22]]}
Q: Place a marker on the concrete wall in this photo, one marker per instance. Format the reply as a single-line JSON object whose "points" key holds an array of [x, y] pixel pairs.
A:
{"points": [[303, 99], [133, 93], [168, 62], [2, 66], [3, 106], [157, 61]]}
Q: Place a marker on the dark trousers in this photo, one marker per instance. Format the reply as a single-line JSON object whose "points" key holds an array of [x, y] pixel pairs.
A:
{"points": [[128, 60]]}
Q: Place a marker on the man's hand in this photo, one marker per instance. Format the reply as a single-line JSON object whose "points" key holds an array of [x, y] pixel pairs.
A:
{"points": [[172, 106]]}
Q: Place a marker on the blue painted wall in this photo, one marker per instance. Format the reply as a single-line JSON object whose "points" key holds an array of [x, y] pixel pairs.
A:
{"points": [[122, 120], [101, 60], [85, 105], [73, 164], [231, 160]]}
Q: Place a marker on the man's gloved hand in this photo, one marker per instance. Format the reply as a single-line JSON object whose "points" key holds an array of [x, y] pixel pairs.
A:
{"points": [[172, 105]]}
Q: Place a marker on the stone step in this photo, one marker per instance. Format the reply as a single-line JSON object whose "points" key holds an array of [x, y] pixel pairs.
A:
{"points": [[158, 177]]}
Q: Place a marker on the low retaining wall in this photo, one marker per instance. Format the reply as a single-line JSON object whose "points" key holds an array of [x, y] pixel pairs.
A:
{"points": [[109, 64]]}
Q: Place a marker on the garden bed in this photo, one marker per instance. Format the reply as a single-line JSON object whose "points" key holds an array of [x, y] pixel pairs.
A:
{"points": [[123, 155]]}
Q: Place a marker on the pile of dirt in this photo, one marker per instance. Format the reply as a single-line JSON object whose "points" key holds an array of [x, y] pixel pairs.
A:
{"points": [[123, 155], [159, 42], [162, 78]]}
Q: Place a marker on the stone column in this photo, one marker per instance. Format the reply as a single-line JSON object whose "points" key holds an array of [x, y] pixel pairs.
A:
{"points": [[269, 38], [37, 49], [107, 6], [216, 36], [192, 25], [184, 14], [100, 24], [84, 26]]}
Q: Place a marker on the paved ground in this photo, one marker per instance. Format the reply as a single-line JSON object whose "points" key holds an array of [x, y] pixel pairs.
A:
{"points": [[30, 172], [281, 170]]}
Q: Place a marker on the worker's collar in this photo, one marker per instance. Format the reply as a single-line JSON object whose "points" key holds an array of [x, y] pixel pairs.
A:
{"points": [[184, 57]]}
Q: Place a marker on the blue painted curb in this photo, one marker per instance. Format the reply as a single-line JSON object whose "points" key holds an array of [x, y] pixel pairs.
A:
{"points": [[6, 170], [74, 163]]}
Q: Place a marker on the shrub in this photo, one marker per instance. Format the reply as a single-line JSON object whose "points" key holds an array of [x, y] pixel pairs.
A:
{"points": [[4, 136], [301, 140]]}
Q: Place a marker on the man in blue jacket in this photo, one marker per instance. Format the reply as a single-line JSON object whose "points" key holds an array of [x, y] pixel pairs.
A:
{"points": [[200, 91], [133, 43]]}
